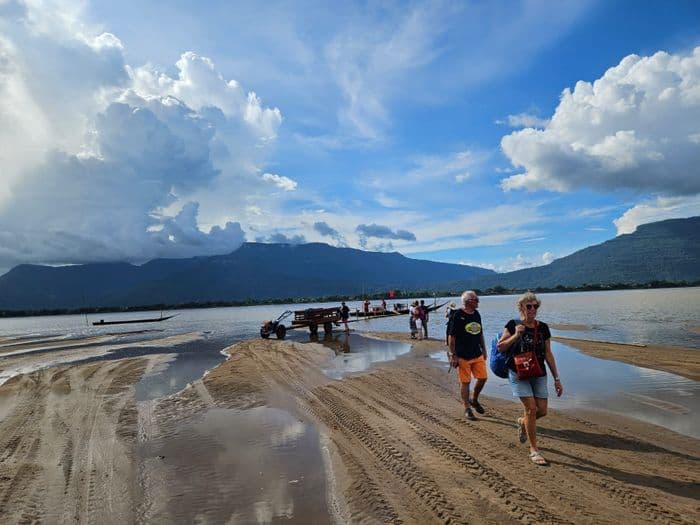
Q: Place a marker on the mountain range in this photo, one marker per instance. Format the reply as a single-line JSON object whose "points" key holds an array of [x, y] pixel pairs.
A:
{"points": [[662, 251]]}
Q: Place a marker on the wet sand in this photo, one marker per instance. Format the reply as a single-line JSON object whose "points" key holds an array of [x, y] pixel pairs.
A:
{"points": [[395, 448], [677, 360]]}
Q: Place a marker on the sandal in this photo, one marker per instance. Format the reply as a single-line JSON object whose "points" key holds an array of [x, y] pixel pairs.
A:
{"points": [[537, 458], [522, 434]]}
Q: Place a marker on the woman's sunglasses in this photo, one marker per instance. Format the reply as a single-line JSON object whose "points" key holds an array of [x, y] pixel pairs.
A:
{"points": [[532, 306]]}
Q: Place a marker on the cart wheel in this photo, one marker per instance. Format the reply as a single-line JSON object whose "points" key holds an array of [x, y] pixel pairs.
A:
{"points": [[328, 328], [313, 328], [264, 334], [281, 332]]}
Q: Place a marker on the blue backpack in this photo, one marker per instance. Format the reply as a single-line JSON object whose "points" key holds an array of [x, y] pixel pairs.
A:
{"points": [[500, 361]]}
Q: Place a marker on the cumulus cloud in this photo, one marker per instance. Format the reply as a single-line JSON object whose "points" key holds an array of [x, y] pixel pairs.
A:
{"points": [[519, 262], [200, 86], [657, 210], [284, 183], [105, 161], [547, 257], [635, 127], [366, 231]]}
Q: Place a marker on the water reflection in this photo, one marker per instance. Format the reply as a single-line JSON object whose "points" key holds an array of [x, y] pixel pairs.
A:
{"points": [[355, 353], [653, 396], [265, 463]]}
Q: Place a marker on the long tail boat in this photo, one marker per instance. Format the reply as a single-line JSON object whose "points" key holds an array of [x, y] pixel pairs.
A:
{"points": [[102, 322]]}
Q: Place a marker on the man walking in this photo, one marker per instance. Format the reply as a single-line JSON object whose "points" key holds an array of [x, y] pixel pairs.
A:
{"points": [[344, 314], [467, 351], [424, 318]]}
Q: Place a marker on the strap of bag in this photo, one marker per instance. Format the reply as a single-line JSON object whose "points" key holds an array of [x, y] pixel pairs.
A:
{"points": [[534, 339]]}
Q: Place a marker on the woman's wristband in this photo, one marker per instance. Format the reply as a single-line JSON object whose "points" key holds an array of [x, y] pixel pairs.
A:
{"points": [[556, 379]]}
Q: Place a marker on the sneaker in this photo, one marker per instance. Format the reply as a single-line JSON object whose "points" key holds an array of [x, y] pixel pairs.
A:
{"points": [[469, 414], [477, 406]]}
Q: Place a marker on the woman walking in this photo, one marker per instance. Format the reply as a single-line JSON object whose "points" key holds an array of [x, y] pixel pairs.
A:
{"points": [[528, 341], [418, 319], [412, 319]]}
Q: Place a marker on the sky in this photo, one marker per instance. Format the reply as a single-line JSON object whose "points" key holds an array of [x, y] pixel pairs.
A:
{"points": [[499, 134]]}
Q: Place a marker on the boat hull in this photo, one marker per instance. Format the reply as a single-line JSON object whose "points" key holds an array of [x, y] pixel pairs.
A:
{"points": [[102, 322]]}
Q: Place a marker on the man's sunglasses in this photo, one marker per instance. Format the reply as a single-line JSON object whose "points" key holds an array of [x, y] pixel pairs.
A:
{"points": [[532, 306]]}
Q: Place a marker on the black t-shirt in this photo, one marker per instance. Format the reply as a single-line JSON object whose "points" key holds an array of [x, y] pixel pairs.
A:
{"points": [[467, 330], [344, 312], [525, 343]]}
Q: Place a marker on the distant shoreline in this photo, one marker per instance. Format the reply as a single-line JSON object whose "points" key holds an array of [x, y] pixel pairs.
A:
{"points": [[400, 296]]}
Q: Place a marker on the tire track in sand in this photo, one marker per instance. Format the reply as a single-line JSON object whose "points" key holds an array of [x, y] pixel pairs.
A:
{"points": [[633, 500]]}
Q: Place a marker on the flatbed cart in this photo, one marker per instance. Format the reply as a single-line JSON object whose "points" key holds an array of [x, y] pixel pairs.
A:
{"points": [[311, 317]]}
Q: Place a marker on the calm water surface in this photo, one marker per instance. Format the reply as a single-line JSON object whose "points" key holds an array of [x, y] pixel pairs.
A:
{"points": [[275, 480]]}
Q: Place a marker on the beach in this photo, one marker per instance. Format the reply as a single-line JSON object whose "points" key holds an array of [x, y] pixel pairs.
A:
{"points": [[392, 447]]}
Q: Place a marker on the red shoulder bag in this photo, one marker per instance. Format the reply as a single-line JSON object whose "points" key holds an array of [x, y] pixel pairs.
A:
{"points": [[526, 364]]}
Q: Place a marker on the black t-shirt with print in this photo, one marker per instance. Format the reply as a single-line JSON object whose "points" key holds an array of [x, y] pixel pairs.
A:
{"points": [[466, 329], [525, 343]]}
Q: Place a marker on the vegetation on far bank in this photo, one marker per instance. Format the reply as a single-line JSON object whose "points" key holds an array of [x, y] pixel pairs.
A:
{"points": [[398, 296]]}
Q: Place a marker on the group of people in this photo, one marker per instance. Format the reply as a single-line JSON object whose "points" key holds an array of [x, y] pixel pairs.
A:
{"points": [[418, 320], [467, 353]]}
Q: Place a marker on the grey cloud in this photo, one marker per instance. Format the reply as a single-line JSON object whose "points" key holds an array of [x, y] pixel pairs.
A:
{"points": [[73, 209], [383, 247], [327, 231], [384, 232], [282, 239], [381, 232], [13, 10]]}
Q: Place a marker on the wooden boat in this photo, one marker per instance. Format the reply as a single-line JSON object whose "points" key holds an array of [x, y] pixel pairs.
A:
{"points": [[375, 312], [102, 322], [398, 309]]}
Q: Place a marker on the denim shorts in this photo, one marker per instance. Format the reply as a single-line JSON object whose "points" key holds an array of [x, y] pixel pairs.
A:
{"points": [[533, 387]]}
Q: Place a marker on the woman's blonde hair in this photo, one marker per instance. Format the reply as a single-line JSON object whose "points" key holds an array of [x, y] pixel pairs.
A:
{"points": [[527, 297]]}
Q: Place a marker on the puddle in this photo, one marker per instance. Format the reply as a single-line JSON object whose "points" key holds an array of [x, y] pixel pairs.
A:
{"points": [[190, 362], [241, 466], [177, 374], [590, 383], [355, 353]]}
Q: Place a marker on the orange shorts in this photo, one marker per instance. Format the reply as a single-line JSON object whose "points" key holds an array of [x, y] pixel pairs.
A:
{"points": [[469, 367]]}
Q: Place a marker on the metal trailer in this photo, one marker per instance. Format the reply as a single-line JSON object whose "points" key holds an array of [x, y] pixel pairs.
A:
{"points": [[311, 317]]}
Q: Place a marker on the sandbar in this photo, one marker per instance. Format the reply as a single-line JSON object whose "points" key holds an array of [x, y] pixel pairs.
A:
{"points": [[78, 447]]}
